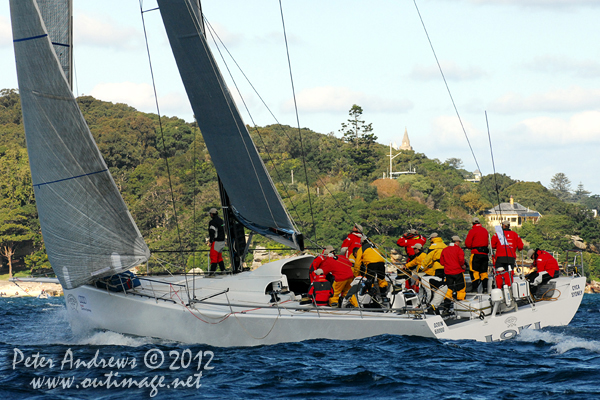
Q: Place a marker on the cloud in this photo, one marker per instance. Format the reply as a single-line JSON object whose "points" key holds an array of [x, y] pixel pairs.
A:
{"points": [[451, 72], [105, 33], [335, 99], [578, 129], [574, 98], [5, 32], [141, 97], [447, 130], [226, 36], [557, 65]]}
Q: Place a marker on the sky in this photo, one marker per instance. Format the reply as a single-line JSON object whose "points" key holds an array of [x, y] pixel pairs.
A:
{"points": [[532, 65]]}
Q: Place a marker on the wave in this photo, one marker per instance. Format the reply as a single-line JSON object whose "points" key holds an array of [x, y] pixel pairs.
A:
{"points": [[561, 342], [109, 338]]}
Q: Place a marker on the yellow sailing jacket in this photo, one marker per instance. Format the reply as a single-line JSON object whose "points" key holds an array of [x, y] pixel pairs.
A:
{"points": [[366, 255], [432, 260]]}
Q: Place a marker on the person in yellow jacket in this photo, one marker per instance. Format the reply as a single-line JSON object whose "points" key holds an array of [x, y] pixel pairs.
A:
{"points": [[433, 270], [371, 262]]}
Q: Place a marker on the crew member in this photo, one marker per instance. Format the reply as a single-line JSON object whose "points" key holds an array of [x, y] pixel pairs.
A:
{"points": [[320, 290], [546, 268], [506, 246], [408, 240], [341, 270], [433, 270], [216, 236], [371, 262], [352, 241], [412, 267], [478, 241], [316, 264], [453, 260]]}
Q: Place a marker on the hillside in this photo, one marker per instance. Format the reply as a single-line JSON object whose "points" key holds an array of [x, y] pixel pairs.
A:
{"points": [[344, 181]]}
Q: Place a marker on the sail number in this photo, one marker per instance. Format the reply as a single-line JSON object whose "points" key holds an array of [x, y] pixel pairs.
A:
{"points": [[576, 291], [438, 327]]}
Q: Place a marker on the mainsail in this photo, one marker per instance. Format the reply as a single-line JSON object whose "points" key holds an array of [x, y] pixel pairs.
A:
{"points": [[58, 19], [254, 199], [86, 225]]}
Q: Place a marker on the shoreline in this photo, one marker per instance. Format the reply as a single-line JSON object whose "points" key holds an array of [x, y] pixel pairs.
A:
{"points": [[29, 289]]}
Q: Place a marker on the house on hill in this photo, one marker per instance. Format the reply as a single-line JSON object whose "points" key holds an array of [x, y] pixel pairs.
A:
{"points": [[512, 212]]}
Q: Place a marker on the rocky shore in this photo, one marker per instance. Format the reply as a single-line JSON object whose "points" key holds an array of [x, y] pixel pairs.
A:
{"points": [[593, 287], [33, 289]]}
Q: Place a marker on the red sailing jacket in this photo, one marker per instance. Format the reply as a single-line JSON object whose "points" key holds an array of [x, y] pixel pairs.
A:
{"points": [[453, 259], [545, 262], [514, 243], [320, 290], [408, 241], [351, 242], [316, 264], [340, 268], [477, 237]]}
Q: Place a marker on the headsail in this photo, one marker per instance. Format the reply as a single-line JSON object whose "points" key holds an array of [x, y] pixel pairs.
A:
{"points": [[254, 199], [87, 228]]}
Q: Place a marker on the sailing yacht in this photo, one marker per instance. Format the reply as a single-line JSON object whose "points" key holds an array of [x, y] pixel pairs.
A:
{"points": [[90, 235]]}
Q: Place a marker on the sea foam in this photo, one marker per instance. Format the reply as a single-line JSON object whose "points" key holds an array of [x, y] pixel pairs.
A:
{"points": [[561, 342]]}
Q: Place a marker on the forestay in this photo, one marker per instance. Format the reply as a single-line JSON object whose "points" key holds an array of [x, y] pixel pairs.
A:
{"points": [[87, 228], [253, 197]]}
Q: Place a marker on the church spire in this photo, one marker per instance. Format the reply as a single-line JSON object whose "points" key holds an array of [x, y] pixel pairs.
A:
{"points": [[405, 141]]}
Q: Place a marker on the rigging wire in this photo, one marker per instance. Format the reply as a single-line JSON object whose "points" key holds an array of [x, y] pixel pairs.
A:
{"points": [[457, 113], [493, 165], [311, 168], [214, 35], [162, 137], [447, 86], [298, 122]]}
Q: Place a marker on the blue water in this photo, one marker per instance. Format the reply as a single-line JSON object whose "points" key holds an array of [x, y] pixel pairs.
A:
{"points": [[554, 363]]}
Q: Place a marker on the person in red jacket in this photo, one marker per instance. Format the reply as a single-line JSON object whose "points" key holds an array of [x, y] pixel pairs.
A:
{"points": [[506, 246], [478, 241], [316, 264], [341, 270], [546, 268], [320, 290], [352, 241], [453, 260], [408, 240]]}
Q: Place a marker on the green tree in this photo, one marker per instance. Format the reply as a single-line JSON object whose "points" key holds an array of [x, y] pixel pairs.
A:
{"points": [[560, 185], [580, 194], [454, 163], [356, 131], [13, 232]]}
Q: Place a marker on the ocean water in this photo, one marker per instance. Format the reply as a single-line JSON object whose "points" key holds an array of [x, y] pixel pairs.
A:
{"points": [[553, 363]]}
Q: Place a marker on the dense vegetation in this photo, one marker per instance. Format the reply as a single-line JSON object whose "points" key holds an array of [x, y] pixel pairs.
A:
{"points": [[344, 182]]}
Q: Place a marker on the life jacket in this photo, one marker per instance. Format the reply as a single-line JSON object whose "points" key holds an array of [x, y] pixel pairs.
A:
{"points": [[320, 290]]}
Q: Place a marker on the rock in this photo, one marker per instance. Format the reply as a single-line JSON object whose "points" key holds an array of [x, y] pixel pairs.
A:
{"points": [[592, 287]]}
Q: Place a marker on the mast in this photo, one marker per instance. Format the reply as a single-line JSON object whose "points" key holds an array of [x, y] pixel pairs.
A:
{"points": [[236, 236]]}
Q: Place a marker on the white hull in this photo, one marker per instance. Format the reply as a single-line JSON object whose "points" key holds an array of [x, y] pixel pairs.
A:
{"points": [[252, 321]]}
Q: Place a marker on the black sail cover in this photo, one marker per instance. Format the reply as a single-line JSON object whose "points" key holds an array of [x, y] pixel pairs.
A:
{"points": [[252, 194], [87, 228]]}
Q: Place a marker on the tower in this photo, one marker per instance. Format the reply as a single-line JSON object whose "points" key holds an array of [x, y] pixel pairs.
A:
{"points": [[405, 141]]}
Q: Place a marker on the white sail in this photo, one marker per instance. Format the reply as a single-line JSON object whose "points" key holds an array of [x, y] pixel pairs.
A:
{"points": [[58, 17], [86, 225]]}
